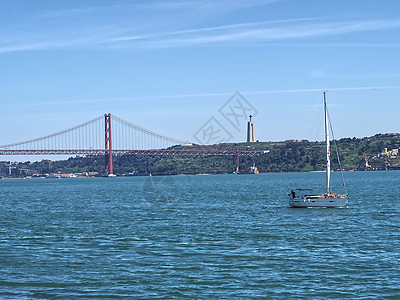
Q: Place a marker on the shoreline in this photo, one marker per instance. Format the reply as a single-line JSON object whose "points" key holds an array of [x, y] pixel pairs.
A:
{"points": [[200, 174]]}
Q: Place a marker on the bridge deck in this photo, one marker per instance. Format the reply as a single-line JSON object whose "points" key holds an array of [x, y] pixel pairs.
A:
{"points": [[130, 152]]}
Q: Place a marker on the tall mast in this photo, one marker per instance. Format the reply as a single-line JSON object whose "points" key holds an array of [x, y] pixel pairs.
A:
{"points": [[328, 150]]}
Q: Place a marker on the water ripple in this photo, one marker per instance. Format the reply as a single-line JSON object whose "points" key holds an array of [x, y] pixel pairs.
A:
{"points": [[221, 236]]}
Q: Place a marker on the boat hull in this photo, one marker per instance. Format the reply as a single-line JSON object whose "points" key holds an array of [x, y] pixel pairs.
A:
{"points": [[318, 202], [248, 172]]}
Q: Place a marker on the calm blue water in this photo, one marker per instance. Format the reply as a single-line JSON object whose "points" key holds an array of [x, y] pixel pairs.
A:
{"points": [[216, 236]]}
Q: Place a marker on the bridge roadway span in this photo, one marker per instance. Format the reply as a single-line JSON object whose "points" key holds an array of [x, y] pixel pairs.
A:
{"points": [[196, 152]]}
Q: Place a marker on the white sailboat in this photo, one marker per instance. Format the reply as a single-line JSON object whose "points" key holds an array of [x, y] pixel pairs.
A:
{"points": [[302, 198]]}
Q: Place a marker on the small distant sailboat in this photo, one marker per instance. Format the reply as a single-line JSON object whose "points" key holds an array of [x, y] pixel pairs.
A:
{"points": [[302, 198]]}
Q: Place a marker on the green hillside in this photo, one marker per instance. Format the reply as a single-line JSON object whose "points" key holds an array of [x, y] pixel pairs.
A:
{"points": [[289, 156]]}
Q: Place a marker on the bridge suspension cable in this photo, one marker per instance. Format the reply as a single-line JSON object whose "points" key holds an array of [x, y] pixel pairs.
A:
{"points": [[130, 136], [90, 136], [67, 139]]}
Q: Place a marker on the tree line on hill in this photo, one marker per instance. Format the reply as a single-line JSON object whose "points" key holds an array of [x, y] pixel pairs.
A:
{"points": [[290, 156]]}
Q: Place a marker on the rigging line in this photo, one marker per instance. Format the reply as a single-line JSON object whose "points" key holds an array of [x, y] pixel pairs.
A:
{"points": [[337, 154], [50, 135], [315, 133]]}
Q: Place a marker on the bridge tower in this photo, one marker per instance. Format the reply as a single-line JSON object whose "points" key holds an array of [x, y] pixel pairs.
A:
{"points": [[108, 146]]}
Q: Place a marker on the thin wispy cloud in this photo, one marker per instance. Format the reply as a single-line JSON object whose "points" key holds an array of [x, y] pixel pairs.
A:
{"points": [[205, 5], [110, 24], [203, 95], [259, 32], [303, 44], [324, 74], [171, 30], [206, 31]]}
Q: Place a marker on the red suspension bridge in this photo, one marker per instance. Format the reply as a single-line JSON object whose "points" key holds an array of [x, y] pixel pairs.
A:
{"points": [[100, 137]]}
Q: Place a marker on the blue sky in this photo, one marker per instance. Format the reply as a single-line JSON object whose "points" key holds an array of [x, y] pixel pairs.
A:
{"points": [[169, 66]]}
